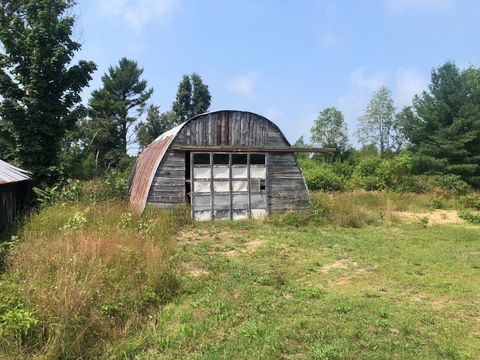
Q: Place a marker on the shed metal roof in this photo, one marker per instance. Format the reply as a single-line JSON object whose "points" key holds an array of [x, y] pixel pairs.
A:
{"points": [[146, 167], [10, 173]]}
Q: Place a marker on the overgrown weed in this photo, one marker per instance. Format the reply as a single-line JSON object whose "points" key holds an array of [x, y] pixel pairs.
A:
{"points": [[83, 274]]}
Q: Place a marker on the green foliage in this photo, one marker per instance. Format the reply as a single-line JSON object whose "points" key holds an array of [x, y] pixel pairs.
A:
{"points": [[470, 216], [17, 320], [470, 201], [193, 98], [381, 174], [41, 93], [76, 221], [112, 186], [155, 124], [113, 110], [377, 126], [321, 176], [330, 130], [445, 137]]}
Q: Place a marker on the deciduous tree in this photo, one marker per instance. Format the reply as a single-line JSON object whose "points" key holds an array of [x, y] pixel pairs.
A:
{"points": [[377, 124], [39, 87]]}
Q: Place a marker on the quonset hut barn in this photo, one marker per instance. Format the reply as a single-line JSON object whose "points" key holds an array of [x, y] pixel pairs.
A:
{"points": [[226, 164], [15, 190]]}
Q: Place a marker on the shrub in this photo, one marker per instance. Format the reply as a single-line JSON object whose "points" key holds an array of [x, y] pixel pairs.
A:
{"points": [[470, 201], [470, 216], [322, 176], [375, 173], [452, 183]]}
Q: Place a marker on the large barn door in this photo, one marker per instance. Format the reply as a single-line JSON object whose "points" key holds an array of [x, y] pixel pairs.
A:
{"points": [[228, 186]]}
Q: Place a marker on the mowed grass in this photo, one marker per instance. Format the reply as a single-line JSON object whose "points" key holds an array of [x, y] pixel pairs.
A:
{"points": [[255, 290]]}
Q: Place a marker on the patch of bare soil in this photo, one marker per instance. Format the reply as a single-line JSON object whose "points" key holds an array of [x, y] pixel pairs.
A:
{"points": [[192, 236], [193, 270], [249, 248], [340, 264], [445, 217]]}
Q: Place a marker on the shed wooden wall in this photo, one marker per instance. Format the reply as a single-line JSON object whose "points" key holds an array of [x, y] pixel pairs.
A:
{"points": [[13, 198], [286, 185]]}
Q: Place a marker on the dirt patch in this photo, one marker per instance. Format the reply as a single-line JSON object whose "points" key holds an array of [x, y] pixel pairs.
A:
{"points": [[445, 217], [252, 245], [193, 236], [249, 248], [340, 264], [194, 270]]}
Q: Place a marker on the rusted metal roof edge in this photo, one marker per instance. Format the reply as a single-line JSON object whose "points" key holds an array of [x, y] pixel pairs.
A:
{"points": [[155, 152]]}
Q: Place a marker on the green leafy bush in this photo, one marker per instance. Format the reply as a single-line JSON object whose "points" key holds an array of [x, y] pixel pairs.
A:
{"points": [[381, 174], [470, 216], [470, 201], [322, 176]]}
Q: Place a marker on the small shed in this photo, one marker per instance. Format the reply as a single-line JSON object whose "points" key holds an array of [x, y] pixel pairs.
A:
{"points": [[15, 192], [225, 164]]}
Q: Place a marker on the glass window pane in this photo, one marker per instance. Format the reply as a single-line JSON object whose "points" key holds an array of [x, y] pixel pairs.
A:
{"points": [[239, 159], [240, 185], [221, 172], [221, 159], [257, 159], [201, 172], [258, 172], [203, 159], [240, 214], [201, 186], [240, 201], [221, 186], [239, 172]]}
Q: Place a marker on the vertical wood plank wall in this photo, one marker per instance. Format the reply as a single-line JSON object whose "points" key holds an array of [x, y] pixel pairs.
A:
{"points": [[286, 187], [13, 197]]}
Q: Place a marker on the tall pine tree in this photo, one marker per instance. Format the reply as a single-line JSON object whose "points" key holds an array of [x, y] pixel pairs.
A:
{"points": [[114, 109], [193, 98], [447, 123], [40, 90]]}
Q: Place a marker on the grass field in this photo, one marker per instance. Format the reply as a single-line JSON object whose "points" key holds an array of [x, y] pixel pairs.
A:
{"points": [[399, 289], [360, 276]]}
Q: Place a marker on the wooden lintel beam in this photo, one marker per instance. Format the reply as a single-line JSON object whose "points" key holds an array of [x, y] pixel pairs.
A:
{"points": [[254, 149]]}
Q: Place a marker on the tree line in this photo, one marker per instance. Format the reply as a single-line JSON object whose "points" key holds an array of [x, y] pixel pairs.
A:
{"points": [[44, 126], [440, 129]]}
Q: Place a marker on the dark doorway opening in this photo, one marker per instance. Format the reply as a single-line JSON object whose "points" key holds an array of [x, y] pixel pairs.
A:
{"points": [[188, 180]]}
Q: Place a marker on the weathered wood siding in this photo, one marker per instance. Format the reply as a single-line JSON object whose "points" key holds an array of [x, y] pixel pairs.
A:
{"points": [[13, 198], [168, 186], [286, 187]]}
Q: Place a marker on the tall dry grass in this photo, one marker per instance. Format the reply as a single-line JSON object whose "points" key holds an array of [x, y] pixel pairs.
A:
{"points": [[85, 274], [360, 208]]}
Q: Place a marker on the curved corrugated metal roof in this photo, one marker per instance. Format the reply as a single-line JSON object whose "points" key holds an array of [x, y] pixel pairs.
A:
{"points": [[10, 173], [147, 165], [149, 160]]}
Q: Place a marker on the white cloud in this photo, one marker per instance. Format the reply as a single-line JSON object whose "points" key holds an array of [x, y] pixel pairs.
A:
{"points": [[361, 80], [424, 5], [243, 84], [408, 83], [138, 13]]}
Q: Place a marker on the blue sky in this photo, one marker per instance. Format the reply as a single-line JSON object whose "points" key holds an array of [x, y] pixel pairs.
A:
{"points": [[285, 59]]}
